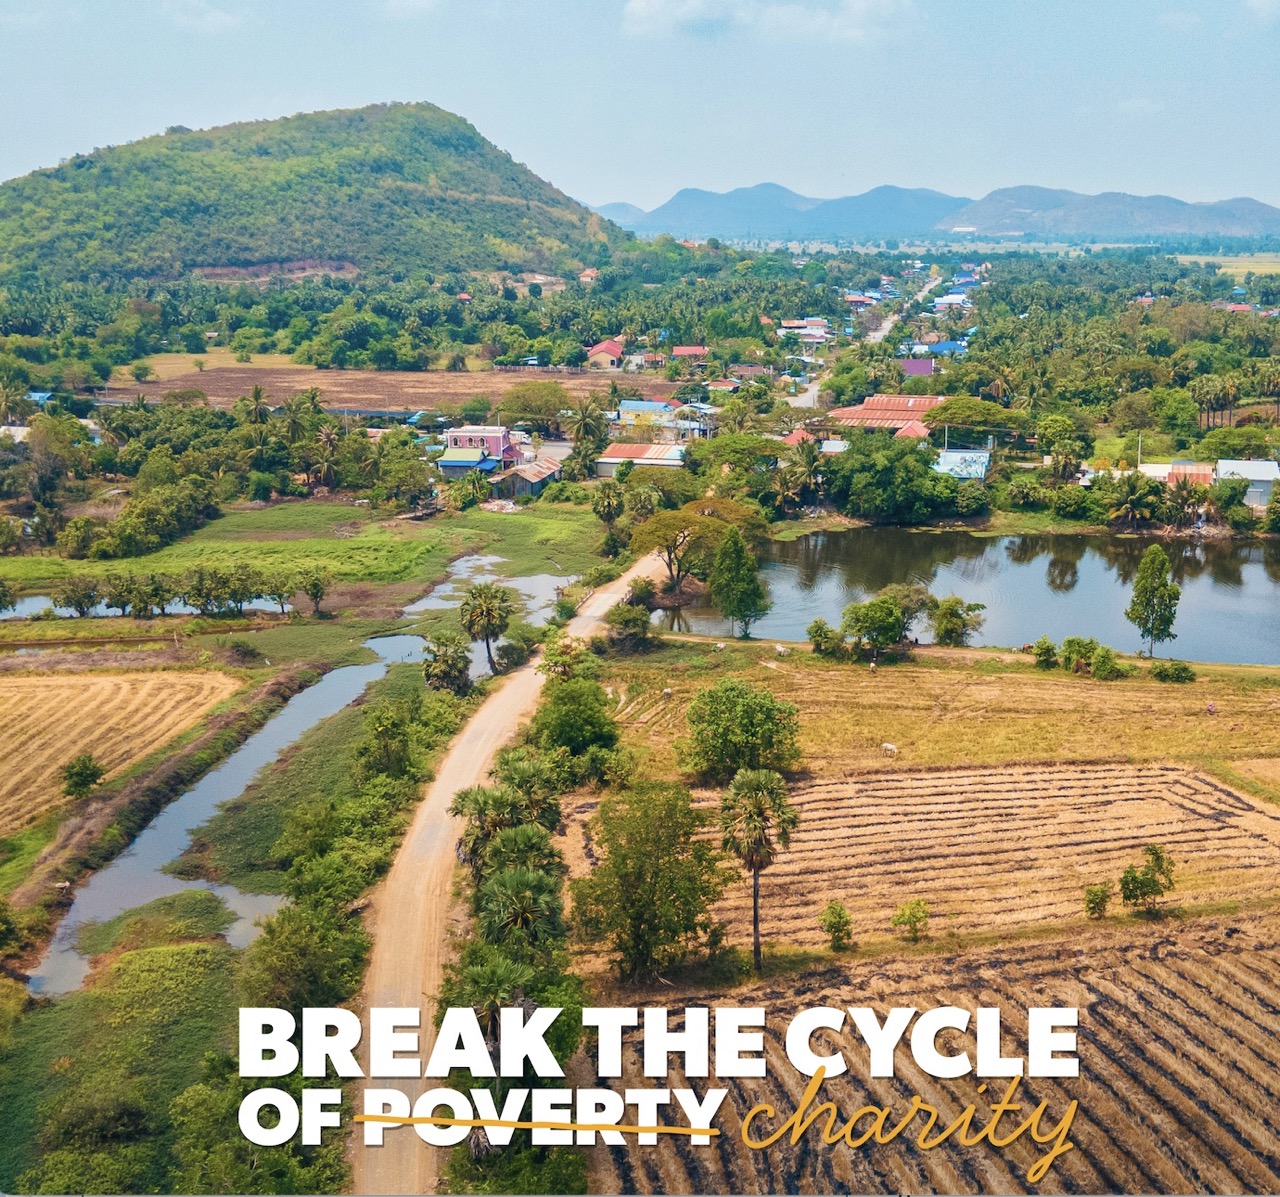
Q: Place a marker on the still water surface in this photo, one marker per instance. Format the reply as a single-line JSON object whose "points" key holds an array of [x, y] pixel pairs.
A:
{"points": [[1031, 585]]}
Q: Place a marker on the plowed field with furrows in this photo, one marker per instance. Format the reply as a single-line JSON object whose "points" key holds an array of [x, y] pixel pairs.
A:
{"points": [[1179, 1086], [120, 718], [996, 849]]}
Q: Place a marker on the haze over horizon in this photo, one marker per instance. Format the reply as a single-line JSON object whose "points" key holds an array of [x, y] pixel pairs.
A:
{"points": [[633, 100]]}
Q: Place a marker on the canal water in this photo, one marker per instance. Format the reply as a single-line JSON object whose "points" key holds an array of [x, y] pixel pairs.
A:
{"points": [[1031, 585], [137, 875]]}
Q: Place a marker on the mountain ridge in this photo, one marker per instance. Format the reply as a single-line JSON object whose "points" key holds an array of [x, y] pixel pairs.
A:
{"points": [[771, 212], [388, 187]]}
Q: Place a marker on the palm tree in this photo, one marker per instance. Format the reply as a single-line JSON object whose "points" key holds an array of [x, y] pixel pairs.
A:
{"points": [[526, 847], [476, 486], [807, 462], [487, 810], [489, 988], [521, 908], [1135, 502], [295, 419], [1184, 501], [587, 422], [13, 399], [755, 821], [608, 502], [328, 436], [323, 465], [259, 408], [486, 613], [1269, 384]]}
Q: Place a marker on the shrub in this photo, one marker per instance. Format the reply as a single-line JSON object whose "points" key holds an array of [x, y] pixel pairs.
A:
{"points": [[575, 716], [641, 592], [629, 627], [1096, 899], [913, 918], [80, 775], [735, 725], [1046, 653], [1072, 503], [1144, 885], [1077, 652], [1240, 519], [1173, 671], [826, 641], [972, 498], [836, 925], [1024, 491], [1104, 666]]}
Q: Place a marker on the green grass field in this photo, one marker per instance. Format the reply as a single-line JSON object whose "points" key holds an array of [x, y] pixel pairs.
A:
{"points": [[352, 544], [1237, 265]]}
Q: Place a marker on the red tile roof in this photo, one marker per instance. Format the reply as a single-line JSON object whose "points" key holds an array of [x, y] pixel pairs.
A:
{"points": [[800, 435], [689, 351], [611, 347], [913, 428]]}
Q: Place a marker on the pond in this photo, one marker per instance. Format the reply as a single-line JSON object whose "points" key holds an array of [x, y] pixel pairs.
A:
{"points": [[137, 875], [1031, 585]]}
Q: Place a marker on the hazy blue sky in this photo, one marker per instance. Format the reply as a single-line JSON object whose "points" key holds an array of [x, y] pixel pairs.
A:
{"points": [[633, 99]]}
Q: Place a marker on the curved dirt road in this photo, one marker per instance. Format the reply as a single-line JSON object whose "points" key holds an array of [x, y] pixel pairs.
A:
{"points": [[414, 910]]}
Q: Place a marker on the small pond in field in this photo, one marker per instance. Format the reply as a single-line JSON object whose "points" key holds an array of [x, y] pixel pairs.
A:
{"points": [[1031, 585]]}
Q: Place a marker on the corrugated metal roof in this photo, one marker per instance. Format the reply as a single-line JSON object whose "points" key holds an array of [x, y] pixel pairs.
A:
{"points": [[642, 453], [1255, 471]]}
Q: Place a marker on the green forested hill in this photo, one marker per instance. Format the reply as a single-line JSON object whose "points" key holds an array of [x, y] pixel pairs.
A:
{"points": [[399, 187]]}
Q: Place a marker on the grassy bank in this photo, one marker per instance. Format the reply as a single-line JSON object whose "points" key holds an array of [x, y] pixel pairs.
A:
{"points": [[350, 543]]}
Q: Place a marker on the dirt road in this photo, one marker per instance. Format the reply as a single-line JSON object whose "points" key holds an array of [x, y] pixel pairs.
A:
{"points": [[888, 325], [414, 910]]}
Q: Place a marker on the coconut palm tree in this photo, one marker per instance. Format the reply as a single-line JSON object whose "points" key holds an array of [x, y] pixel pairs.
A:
{"points": [[294, 423], [486, 614], [755, 821], [13, 399], [806, 460], [1184, 500], [587, 422], [259, 409], [520, 908], [1136, 501]]}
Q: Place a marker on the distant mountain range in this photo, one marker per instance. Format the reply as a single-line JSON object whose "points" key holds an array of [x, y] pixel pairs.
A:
{"points": [[768, 212]]}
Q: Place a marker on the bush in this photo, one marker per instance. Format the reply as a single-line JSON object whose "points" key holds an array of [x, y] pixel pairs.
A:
{"points": [[1104, 666], [837, 926], [629, 627], [972, 498], [1024, 491], [80, 775], [1173, 671], [1073, 503], [566, 492], [1143, 886], [1077, 653], [1046, 653], [735, 725], [641, 592], [575, 716], [826, 641], [1240, 519], [1096, 899], [913, 918]]}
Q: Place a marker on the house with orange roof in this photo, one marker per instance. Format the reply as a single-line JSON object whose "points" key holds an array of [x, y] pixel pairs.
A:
{"points": [[606, 356]]}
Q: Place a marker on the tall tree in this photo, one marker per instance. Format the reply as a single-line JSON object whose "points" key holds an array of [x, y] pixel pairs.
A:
{"points": [[1154, 606], [735, 586], [755, 821], [486, 614]]}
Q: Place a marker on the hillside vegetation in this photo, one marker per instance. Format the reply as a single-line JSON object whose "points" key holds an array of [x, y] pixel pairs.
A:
{"points": [[400, 187]]}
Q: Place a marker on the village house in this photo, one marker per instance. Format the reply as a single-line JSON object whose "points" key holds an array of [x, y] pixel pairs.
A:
{"points": [[1261, 475], [530, 478], [667, 456], [588, 276], [885, 411], [485, 447], [606, 356], [694, 353]]}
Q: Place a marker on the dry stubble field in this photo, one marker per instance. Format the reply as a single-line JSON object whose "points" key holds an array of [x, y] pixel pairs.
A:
{"points": [[225, 380], [120, 718], [1180, 1069]]}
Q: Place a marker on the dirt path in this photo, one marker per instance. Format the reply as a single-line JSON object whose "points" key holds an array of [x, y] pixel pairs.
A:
{"points": [[414, 909]]}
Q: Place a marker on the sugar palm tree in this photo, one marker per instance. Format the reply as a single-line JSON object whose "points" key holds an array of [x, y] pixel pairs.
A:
{"points": [[755, 821], [608, 502], [520, 908], [487, 810], [489, 988], [486, 613], [526, 847]]}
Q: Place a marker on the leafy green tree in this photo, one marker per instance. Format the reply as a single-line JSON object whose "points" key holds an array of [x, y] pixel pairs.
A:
{"points": [[486, 613], [448, 663], [81, 774], [575, 715], [630, 629], [678, 537], [1144, 885], [954, 621], [735, 586], [836, 925], [7, 598], [1154, 605], [876, 624], [315, 584], [1097, 898], [279, 587], [913, 917], [79, 592], [734, 725], [305, 956], [648, 900], [1046, 653], [755, 821]]}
